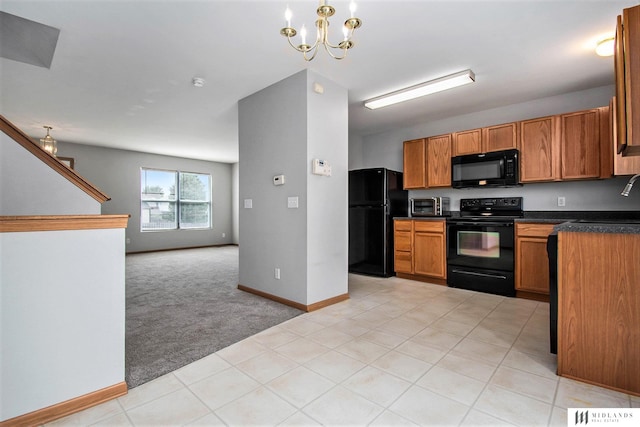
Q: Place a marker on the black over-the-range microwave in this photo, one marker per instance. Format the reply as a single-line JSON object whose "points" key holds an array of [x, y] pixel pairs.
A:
{"points": [[493, 169]]}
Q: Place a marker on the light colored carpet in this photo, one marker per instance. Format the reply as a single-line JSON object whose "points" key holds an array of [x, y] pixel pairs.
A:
{"points": [[183, 305]]}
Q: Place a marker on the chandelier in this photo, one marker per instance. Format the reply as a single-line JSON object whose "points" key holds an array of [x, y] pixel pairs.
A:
{"points": [[49, 144], [324, 11]]}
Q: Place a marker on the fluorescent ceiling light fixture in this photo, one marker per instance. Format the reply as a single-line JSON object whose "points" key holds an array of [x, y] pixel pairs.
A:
{"points": [[422, 89]]}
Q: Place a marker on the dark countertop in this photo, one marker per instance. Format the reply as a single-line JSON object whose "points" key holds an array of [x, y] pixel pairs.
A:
{"points": [[562, 216], [615, 227], [622, 222], [423, 218], [543, 220]]}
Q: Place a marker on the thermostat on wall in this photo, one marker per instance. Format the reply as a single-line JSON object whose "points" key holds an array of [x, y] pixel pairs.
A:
{"points": [[278, 180], [321, 167]]}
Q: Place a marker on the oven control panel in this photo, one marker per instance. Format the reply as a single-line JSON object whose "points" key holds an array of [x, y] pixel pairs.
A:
{"points": [[492, 206], [508, 202]]}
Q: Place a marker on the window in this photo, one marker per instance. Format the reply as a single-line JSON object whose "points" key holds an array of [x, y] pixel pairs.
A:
{"points": [[173, 200]]}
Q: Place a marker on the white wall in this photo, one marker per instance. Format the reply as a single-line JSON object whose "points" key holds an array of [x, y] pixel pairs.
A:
{"points": [[235, 203], [29, 187], [117, 173], [281, 128], [62, 309], [273, 141], [356, 152], [385, 150], [327, 200]]}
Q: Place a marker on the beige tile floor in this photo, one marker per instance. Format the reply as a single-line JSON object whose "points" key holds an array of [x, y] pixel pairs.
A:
{"points": [[398, 352]]}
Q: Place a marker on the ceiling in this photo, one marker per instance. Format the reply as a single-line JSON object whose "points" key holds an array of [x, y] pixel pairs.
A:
{"points": [[122, 71]]}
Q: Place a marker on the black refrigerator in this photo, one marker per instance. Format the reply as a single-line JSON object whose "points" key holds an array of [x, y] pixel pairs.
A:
{"points": [[375, 198]]}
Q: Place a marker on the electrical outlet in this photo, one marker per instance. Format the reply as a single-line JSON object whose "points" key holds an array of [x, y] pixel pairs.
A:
{"points": [[224, 234], [128, 240], [276, 273], [561, 201]]}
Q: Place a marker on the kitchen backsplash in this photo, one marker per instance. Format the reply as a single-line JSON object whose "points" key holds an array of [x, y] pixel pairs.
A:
{"points": [[592, 195]]}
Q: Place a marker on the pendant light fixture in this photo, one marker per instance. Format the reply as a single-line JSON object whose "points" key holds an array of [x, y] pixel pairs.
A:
{"points": [[49, 144], [324, 12]]}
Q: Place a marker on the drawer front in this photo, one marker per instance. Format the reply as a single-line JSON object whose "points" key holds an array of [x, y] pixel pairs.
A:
{"points": [[402, 262], [534, 230], [428, 226], [402, 225], [403, 241]]}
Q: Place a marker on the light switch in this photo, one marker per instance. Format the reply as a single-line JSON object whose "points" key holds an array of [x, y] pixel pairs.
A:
{"points": [[248, 203], [292, 202]]}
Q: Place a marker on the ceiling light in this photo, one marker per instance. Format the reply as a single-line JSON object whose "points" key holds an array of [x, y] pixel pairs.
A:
{"points": [[605, 46], [48, 143], [198, 82], [422, 89], [324, 11]]}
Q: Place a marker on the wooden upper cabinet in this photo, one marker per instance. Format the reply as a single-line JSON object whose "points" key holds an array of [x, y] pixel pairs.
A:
{"points": [[414, 158], [539, 149], [467, 142], [606, 141], [580, 144], [622, 165], [427, 162], [627, 71], [576, 145], [484, 140], [439, 161], [620, 98], [501, 137]]}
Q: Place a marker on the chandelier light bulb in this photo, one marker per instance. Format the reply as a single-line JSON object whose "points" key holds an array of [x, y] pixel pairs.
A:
{"points": [[287, 16], [303, 34], [352, 8]]}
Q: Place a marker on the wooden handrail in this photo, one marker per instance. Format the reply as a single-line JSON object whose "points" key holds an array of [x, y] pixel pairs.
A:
{"points": [[23, 139], [10, 224]]}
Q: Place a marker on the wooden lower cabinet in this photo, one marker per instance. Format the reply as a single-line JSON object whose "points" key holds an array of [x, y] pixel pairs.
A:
{"points": [[531, 259], [420, 249], [403, 246], [598, 309], [429, 249]]}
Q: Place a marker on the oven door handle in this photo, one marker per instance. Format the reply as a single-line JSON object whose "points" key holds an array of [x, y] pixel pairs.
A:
{"points": [[485, 223], [473, 273]]}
